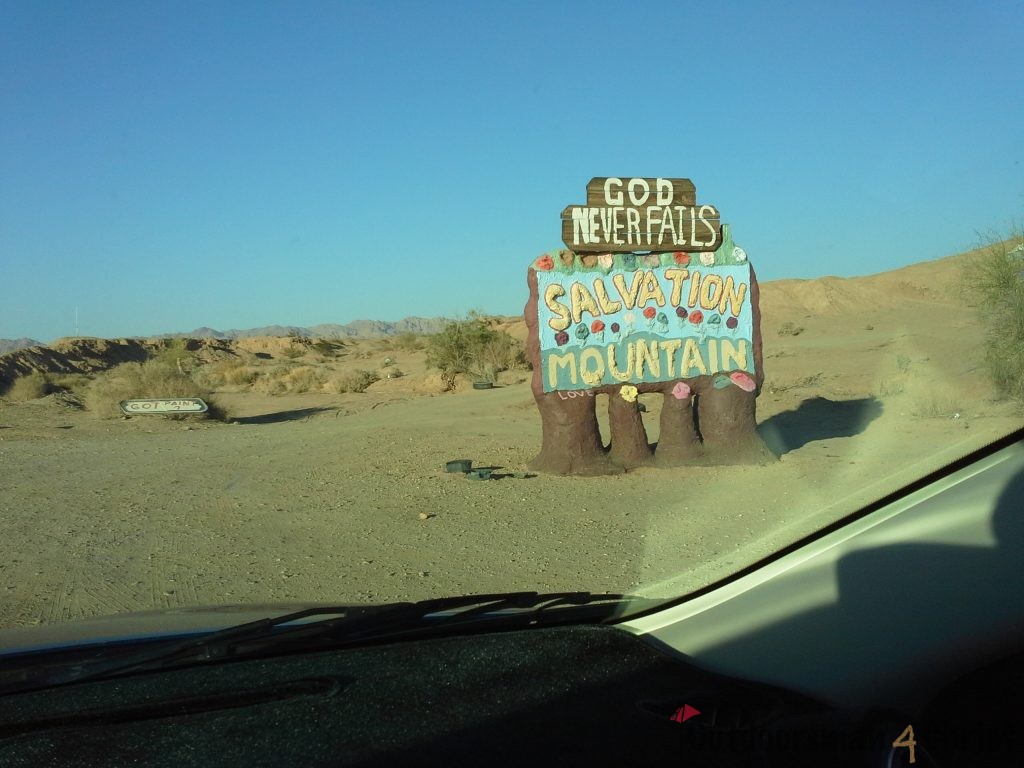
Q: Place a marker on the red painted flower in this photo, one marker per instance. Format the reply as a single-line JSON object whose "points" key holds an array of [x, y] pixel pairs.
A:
{"points": [[682, 259], [696, 317], [545, 262], [650, 312], [597, 326]]}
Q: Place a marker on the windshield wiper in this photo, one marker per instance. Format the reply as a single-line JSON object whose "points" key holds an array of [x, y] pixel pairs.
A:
{"points": [[347, 626]]}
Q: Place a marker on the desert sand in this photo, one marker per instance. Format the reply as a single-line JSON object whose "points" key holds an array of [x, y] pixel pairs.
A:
{"points": [[343, 498]]}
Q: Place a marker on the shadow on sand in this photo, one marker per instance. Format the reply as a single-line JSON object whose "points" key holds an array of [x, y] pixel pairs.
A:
{"points": [[276, 418], [818, 418]]}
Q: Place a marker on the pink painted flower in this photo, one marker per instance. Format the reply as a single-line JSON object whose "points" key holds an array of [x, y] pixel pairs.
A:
{"points": [[680, 258], [681, 391], [597, 326], [650, 312], [743, 381], [545, 262], [606, 261]]}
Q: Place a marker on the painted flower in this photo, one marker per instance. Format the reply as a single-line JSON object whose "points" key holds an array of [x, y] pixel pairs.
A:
{"points": [[545, 262], [628, 261], [650, 312], [696, 317], [739, 254], [714, 320], [662, 321], [589, 260], [582, 331], [591, 377], [606, 261], [680, 258], [651, 260], [681, 391], [628, 393], [616, 327], [707, 259], [743, 381], [731, 322], [568, 259], [561, 338], [630, 318], [681, 312], [597, 326]]}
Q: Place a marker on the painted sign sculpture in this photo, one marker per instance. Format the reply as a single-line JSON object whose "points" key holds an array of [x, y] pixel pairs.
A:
{"points": [[682, 323]]}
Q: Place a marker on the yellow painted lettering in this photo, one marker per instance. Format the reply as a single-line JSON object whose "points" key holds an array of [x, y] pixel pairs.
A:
{"points": [[591, 374], [669, 347], [628, 296], [694, 287], [581, 302], [735, 354], [710, 291], [647, 353], [561, 320], [692, 359], [650, 289], [678, 277], [613, 362], [607, 305], [555, 361], [732, 295]]}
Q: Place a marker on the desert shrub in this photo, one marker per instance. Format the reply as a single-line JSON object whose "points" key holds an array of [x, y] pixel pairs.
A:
{"points": [[73, 382], [789, 328], [173, 353], [353, 381], [392, 372], [136, 381], [226, 373], [473, 348], [293, 351], [31, 386], [303, 379], [325, 347], [409, 341], [994, 285]]}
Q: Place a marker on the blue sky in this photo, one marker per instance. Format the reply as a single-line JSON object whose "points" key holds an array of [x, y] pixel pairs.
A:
{"points": [[169, 165]]}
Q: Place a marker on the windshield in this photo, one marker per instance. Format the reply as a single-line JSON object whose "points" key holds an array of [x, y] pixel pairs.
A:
{"points": [[345, 304]]}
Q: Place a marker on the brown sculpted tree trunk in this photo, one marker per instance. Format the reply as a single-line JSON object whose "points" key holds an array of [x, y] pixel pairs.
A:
{"points": [[729, 427], [629, 446], [571, 438], [679, 443]]}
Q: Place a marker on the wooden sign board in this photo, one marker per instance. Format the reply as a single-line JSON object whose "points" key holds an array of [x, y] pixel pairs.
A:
{"points": [[623, 215]]}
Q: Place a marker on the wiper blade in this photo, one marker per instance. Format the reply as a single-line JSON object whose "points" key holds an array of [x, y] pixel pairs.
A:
{"points": [[349, 626]]}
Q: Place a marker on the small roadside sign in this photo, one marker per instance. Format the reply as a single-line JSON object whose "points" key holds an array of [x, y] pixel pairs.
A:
{"points": [[164, 405]]}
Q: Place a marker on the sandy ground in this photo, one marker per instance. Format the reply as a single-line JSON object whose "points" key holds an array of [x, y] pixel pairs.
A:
{"points": [[343, 498]]}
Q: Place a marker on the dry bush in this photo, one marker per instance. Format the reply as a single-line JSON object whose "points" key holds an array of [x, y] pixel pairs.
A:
{"points": [[31, 386], [72, 382], [409, 342], [935, 405], [353, 381], [994, 284], [138, 381], [226, 373], [473, 348]]}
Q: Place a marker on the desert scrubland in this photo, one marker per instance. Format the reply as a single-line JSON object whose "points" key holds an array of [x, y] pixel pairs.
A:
{"points": [[325, 481]]}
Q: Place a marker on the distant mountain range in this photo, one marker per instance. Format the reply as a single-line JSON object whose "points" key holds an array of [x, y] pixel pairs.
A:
{"points": [[9, 345], [365, 329]]}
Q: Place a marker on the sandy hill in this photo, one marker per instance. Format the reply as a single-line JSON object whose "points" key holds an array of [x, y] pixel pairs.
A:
{"points": [[931, 287]]}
